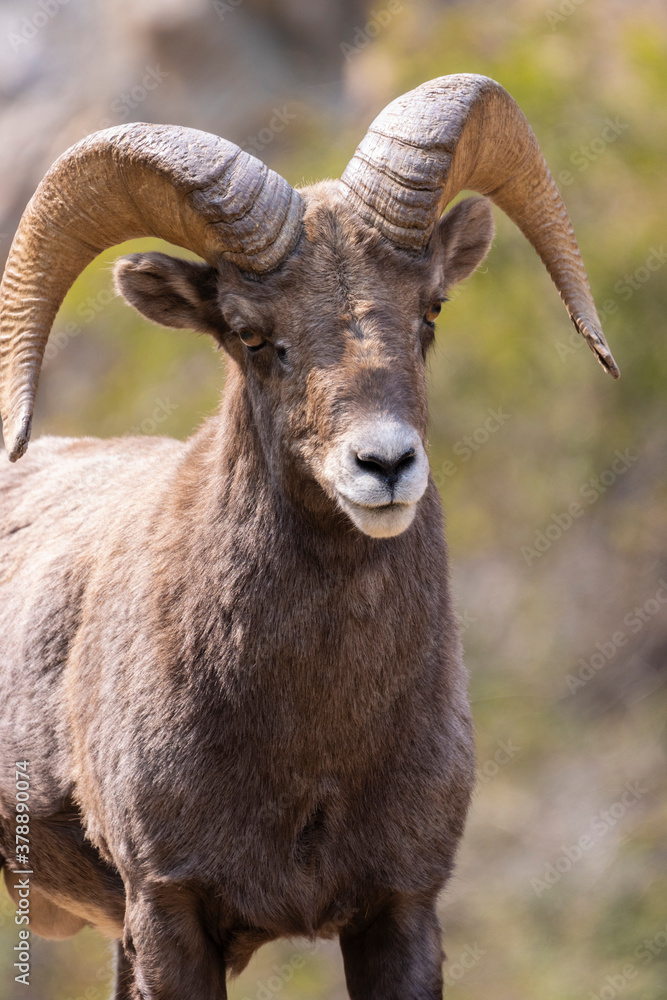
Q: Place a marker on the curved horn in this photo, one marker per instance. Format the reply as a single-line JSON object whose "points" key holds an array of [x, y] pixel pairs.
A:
{"points": [[466, 132], [188, 187]]}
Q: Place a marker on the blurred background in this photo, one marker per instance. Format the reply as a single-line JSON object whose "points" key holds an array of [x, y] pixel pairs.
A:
{"points": [[561, 888]]}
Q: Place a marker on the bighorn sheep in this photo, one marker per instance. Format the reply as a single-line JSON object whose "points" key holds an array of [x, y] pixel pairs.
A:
{"points": [[232, 663]]}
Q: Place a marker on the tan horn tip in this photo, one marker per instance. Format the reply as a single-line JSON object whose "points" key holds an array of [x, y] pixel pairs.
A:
{"points": [[17, 436], [598, 345]]}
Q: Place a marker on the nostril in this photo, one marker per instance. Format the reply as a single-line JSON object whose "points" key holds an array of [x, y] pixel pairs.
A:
{"points": [[371, 463], [406, 460], [388, 468]]}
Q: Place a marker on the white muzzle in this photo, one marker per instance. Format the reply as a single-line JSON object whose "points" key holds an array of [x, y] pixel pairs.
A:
{"points": [[379, 473]]}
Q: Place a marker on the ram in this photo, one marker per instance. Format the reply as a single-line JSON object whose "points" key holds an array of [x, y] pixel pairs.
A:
{"points": [[232, 663]]}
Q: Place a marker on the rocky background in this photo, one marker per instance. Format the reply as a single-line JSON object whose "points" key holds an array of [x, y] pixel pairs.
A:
{"points": [[551, 474]]}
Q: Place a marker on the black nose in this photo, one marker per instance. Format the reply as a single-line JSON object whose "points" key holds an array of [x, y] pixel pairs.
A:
{"points": [[388, 468]]}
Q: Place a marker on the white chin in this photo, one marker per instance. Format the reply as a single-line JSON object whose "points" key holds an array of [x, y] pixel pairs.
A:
{"points": [[380, 522]]}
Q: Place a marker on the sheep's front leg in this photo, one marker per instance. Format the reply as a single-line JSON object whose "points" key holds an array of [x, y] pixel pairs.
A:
{"points": [[396, 956], [170, 954]]}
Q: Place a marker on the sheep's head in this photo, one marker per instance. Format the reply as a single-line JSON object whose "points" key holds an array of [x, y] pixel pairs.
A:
{"points": [[332, 347], [324, 298]]}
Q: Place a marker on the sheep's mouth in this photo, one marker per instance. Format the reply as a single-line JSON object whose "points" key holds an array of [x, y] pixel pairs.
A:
{"points": [[390, 505], [379, 520]]}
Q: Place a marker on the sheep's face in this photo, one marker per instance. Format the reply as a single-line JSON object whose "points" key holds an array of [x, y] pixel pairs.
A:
{"points": [[332, 348]]}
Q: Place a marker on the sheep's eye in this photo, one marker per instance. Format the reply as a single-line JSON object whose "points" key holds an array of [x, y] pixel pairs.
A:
{"points": [[252, 340], [432, 313]]}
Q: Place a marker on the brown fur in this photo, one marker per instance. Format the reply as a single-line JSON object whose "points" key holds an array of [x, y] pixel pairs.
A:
{"points": [[255, 714]]}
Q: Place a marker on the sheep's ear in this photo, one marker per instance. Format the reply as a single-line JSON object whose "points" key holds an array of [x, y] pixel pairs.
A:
{"points": [[465, 232], [171, 291]]}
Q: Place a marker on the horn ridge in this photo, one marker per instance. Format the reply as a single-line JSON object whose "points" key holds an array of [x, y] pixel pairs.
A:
{"points": [[188, 187], [465, 132]]}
